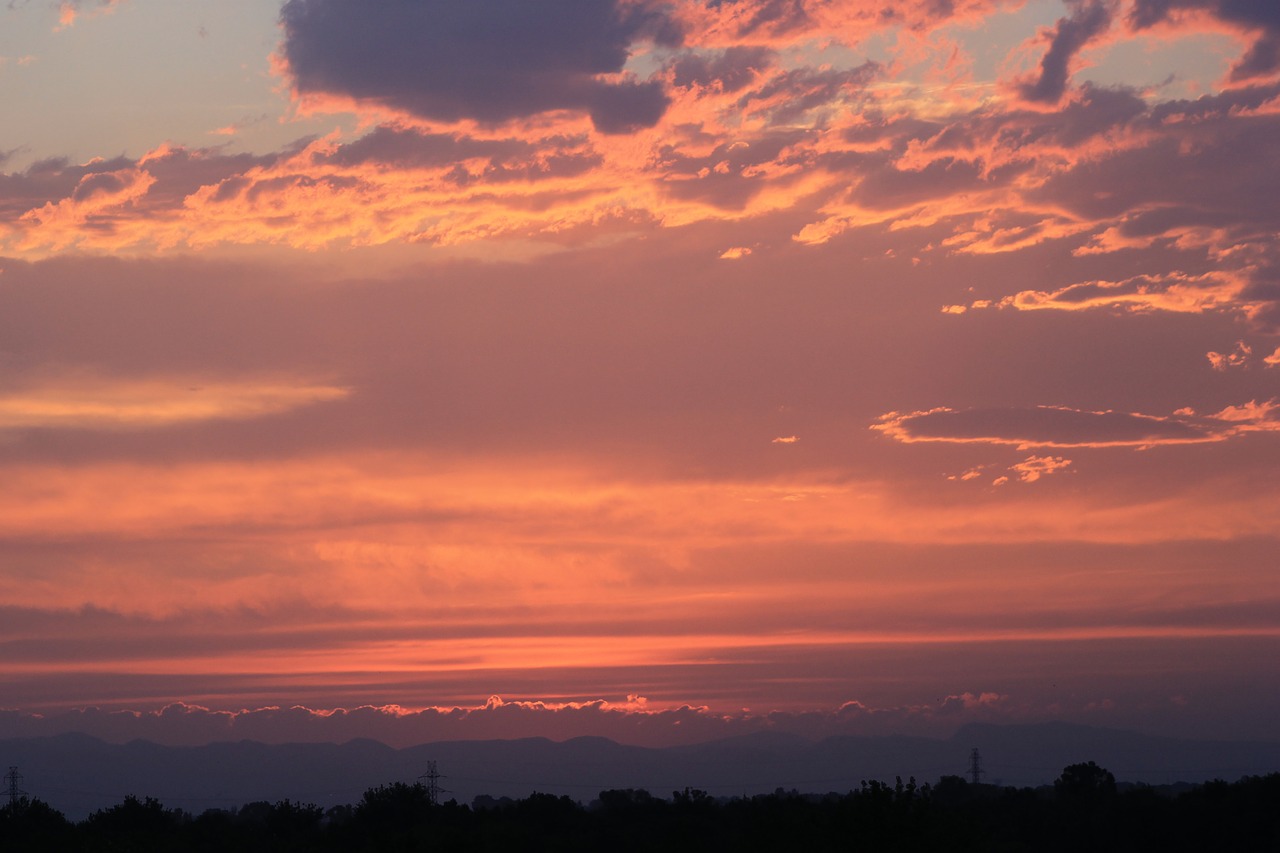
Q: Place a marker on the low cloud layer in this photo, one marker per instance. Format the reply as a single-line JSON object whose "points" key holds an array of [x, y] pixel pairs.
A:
{"points": [[627, 721]]}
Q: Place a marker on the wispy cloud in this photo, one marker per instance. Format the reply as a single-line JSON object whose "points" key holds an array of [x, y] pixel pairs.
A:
{"points": [[1058, 426], [100, 403], [69, 11]]}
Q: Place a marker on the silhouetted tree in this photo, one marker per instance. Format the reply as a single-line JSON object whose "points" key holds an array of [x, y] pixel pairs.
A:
{"points": [[1084, 810], [135, 825], [692, 798], [33, 825], [626, 800], [1085, 783], [396, 805]]}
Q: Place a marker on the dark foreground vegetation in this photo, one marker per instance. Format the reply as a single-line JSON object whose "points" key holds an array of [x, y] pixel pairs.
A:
{"points": [[1083, 811]]}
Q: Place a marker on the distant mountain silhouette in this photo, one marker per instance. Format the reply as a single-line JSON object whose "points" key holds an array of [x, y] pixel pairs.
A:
{"points": [[77, 774]]}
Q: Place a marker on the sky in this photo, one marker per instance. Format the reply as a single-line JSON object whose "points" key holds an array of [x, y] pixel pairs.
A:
{"points": [[656, 369]]}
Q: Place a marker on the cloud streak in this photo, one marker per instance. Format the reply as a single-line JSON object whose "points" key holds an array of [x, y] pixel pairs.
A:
{"points": [[92, 403], [1056, 426]]}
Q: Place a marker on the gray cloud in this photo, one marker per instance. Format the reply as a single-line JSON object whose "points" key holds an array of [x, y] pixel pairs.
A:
{"points": [[1260, 17], [733, 68], [726, 177], [504, 159], [489, 60], [1087, 21], [794, 92]]}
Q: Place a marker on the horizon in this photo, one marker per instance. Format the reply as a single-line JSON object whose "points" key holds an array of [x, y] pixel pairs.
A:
{"points": [[78, 774], [658, 370]]}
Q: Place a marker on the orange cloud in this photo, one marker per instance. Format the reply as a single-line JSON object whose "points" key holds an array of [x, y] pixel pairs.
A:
{"points": [[787, 24], [96, 403], [1177, 292], [1237, 358], [1057, 426], [98, 200], [69, 11], [1034, 467], [566, 545]]}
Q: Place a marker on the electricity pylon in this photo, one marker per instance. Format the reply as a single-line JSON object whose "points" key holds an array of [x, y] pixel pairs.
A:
{"points": [[12, 780], [433, 778], [975, 766]]}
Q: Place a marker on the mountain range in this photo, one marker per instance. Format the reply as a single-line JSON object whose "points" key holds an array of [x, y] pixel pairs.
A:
{"points": [[77, 774]]}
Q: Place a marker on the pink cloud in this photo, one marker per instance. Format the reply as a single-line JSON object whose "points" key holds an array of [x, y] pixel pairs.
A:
{"points": [[69, 11], [1033, 468], [1054, 426], [1177, 292], [1237, 358]]}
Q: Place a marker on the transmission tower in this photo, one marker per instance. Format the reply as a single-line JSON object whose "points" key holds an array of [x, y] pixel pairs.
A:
{"points": [[433, 778], [975, 766], [12, 780]]}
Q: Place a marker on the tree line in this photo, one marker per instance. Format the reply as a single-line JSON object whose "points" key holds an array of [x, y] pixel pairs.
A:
{"points": [[1084, 810]]}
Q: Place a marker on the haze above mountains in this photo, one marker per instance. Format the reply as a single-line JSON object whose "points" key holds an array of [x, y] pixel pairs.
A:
{"points": [[77, 774]]}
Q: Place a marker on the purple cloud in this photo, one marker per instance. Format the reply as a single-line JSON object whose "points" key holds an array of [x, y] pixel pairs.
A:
{"points": [[1262, 17], [1088, 20], [627, 721], [733, 68], [488, 60]]}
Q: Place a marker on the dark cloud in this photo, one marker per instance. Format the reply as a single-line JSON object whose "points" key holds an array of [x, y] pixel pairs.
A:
{"points": [[1087, 21], [727, 177], [625, 720], [1097, 111], [1195, 169], [1260, 17], [788, 96], [48, 180], [102, 183], [776, 16], [489, 60], [1261, 60], [889, 187], [733, 68], [178, 172], [625, 107], [503, 159], [1262, 294]]}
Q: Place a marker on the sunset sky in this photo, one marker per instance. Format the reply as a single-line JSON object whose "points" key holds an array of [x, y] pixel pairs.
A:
{"points": [[659, 369]]}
